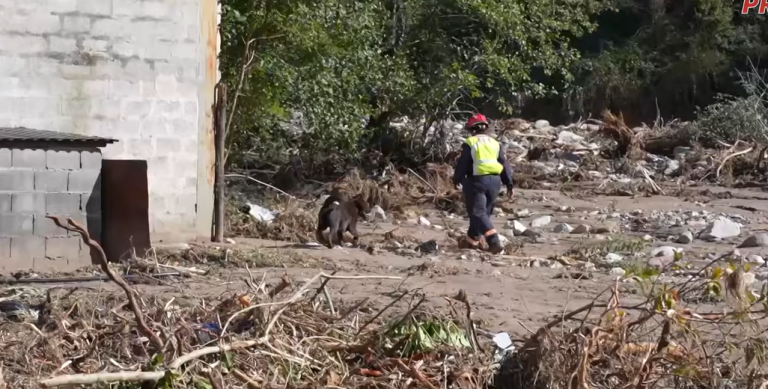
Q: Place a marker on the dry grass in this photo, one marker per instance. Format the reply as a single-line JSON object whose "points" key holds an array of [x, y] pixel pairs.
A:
{"points": [[665, 341]]}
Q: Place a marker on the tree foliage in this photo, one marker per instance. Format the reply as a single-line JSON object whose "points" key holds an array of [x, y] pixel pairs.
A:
{"points": [[321, 69], [323, 79]]}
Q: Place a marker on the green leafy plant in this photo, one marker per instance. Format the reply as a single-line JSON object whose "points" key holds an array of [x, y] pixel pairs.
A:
{"points": [[418, 336]]}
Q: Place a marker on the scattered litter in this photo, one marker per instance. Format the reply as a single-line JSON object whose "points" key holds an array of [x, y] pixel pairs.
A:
{"points": [[428, 247], [378, 211], [504, 346], [261, 214]]}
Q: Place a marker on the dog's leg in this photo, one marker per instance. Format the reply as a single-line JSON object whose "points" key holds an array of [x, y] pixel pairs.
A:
{"points": [[333, 235], [355, 235], [321, 237]]}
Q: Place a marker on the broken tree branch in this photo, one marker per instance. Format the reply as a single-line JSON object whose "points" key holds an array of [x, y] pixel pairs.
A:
{"points": [[142, 376], [101, 256], [736, 154]]}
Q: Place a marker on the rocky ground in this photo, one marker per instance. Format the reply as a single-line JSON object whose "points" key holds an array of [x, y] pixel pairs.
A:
{"points": [[591, 219], [561, 252], [550, 234]]}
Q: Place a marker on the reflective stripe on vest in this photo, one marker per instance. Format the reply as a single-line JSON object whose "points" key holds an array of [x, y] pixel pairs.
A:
{"points": [[485, 155]]}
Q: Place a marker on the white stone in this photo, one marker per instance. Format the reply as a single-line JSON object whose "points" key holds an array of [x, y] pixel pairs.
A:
{"points": [[756, 259], [423, 221], [665, 251], [562, 228], [518, 228], [541, 221], [613, 258], [539, 124], [523, 212], [617, 271], [720, 228]]}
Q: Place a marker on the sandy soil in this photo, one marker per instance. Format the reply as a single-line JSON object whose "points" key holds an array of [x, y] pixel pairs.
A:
{"points": [[509, 297]]}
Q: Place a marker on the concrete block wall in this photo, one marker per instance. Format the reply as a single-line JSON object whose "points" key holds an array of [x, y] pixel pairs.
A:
{"points": [[139, 71], [47, 180]]}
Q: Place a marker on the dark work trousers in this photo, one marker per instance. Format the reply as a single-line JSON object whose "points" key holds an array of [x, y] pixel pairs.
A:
{"points": [[479, 195]]}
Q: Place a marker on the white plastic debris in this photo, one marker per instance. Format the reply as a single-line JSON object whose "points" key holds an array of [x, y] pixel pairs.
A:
{"points": [[377, 211], [504, 344], [260, 213], [502, 340]]}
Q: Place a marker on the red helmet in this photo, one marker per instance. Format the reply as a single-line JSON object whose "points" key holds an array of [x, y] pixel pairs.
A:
{"points": [[476, 119]]}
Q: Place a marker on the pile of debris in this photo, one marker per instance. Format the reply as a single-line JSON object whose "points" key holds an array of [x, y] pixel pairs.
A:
{"points": [[546, 156]]}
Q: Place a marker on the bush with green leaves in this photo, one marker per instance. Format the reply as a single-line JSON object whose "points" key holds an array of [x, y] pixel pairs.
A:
{"points": [[736, 118], [308, 74]]}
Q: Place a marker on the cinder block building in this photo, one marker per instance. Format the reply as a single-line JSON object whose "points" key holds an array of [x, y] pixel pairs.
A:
{"points": [[140, 72], [46, 172]]}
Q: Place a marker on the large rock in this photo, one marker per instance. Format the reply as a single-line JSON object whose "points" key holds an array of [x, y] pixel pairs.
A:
{"points": [[541, 221], [517, 227], [607, 228], [581, 229], [562, 228], [665, 251], [759, 239], [685, 237], [756, 259], [720, 228]]}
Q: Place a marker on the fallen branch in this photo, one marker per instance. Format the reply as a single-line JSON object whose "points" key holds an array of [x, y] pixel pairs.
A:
{"points": [[102, 258], [233, 175], [88, 379], [736, 154], [142, 376]]}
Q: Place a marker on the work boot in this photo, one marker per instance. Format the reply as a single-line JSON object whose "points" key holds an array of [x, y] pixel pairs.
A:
{"points": [[469, 243], [494, 243]]}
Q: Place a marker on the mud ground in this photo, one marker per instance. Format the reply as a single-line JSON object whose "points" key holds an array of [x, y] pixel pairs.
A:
{"points": [[507, 296]]}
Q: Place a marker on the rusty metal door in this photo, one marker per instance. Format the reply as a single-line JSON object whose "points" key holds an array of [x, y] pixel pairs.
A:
{"points": [[124, 208]]}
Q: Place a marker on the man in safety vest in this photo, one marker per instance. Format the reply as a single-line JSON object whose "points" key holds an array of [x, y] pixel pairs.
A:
{"points": [[481, 170]]}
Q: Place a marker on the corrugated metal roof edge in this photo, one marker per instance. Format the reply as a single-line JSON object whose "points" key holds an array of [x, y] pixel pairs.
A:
{"points": [[23, 134]]}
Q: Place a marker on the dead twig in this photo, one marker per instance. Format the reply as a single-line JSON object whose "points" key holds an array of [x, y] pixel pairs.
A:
{"points": [[102, 258]]}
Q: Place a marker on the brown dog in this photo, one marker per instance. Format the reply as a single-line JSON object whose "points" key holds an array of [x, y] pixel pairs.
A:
{"points": [[340, 216]]}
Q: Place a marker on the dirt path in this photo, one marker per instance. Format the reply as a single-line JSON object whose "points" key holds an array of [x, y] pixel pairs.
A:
{"points": [[509, 297]]}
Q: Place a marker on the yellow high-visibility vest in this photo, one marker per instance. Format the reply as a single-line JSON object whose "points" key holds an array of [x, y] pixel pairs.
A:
{"points": [[485, 155]]}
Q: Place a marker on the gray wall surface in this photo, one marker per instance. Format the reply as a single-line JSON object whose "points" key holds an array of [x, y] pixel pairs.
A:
{"points": [[141, 72], [37, 181]]}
